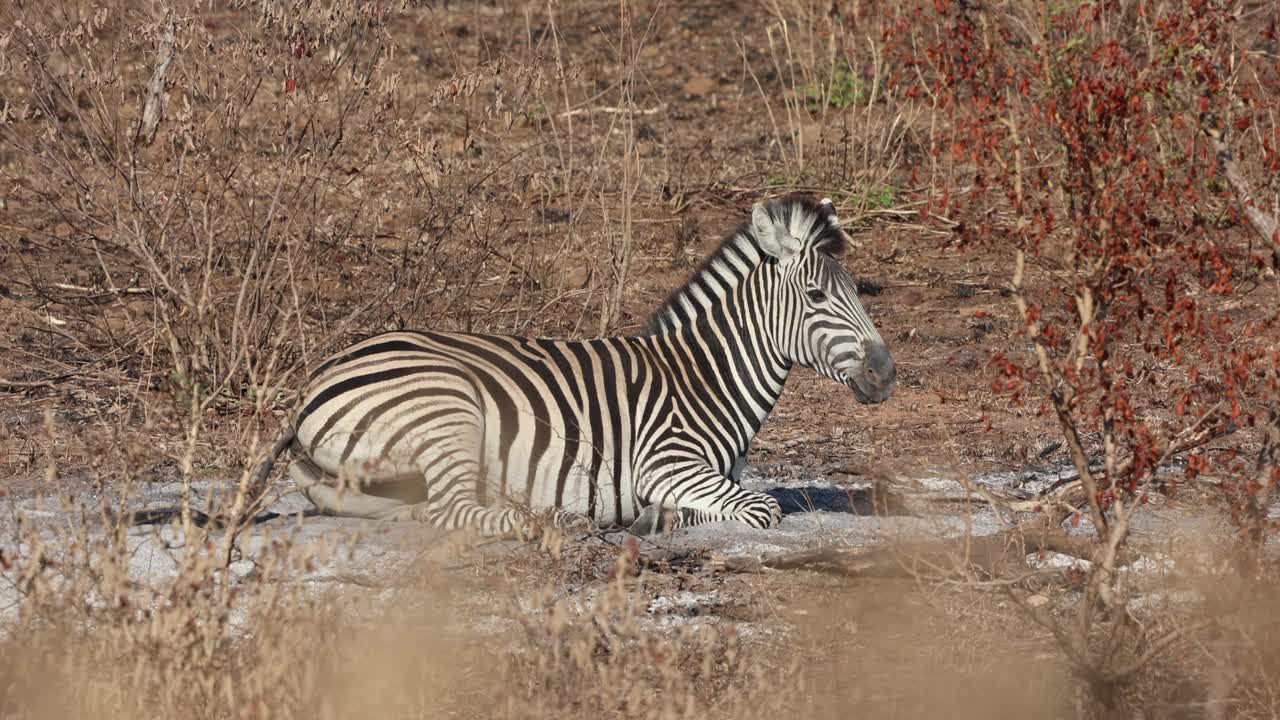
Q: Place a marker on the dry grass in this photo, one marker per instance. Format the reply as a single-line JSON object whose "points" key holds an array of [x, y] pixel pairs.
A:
{"points": [[476, 645]]}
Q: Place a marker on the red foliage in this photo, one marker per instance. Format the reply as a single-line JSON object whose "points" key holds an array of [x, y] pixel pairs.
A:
{"points": [[1078, 137]]}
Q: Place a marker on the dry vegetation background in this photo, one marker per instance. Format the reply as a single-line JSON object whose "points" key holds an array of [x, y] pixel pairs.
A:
{"points": [[200, 199]]}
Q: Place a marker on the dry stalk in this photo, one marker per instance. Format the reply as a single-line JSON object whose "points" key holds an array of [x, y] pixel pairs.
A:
{"points": [[1265, 478], [153, 108]]}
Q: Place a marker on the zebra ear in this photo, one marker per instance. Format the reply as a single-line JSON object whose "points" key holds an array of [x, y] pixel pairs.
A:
{"points": [[831, 208], [772, 239]]}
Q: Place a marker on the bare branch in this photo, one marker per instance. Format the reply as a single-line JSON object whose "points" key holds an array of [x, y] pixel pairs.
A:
{"points": [[992, 556], [1160, 646], [1264, 223], [1061, 395], [1268, 469]]}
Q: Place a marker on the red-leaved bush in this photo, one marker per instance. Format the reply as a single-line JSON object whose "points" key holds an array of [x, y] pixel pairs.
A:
{"points": [[1090, 141], [1112, 149]]}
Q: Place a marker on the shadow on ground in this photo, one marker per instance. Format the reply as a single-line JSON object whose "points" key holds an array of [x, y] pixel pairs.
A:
{"points": [[830, 499]]}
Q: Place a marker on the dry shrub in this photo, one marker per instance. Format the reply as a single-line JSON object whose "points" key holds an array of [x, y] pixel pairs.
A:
{"points": [[283, 198], [608, 660], [206, 200], [304, 657], [209, 642]]}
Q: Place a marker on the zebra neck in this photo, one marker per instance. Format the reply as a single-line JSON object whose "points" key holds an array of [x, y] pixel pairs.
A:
{"points": [[718, 335], [731, 373], [737, 266]]}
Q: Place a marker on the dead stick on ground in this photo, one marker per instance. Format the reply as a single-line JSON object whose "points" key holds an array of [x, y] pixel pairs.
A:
{"points": [[992, 556], [612, 111], [6, 384]]}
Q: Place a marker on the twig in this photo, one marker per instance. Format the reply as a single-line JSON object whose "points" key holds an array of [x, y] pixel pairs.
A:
{"points": [[1160, 646], [96, 297], [22, 384], [1265, 477], [613, 111]]}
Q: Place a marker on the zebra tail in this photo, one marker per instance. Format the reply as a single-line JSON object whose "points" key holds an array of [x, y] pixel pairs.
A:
{"points": [[286, 438]]}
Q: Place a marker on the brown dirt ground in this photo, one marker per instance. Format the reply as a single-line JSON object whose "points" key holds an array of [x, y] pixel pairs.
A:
{"points": [[707, 155]]}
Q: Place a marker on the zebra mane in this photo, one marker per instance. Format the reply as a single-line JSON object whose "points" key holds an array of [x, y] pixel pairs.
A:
{"points": [[741, 246]]}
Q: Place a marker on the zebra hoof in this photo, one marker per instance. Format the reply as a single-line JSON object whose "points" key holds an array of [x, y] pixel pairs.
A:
{"points": [[775, 513], [653, 520], [573, 522]]}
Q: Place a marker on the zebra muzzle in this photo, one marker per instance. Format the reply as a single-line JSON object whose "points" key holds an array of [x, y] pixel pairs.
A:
{"points": [[876, 377]]}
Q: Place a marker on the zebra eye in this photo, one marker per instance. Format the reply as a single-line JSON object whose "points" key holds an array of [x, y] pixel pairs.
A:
{"points": [[816, 295]]}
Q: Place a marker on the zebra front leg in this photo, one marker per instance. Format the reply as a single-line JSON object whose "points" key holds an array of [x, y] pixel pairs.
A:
{"points": [[655, 519], [699, 494]]}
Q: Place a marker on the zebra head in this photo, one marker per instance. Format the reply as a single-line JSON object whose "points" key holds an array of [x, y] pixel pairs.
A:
{"points": [[818, 320]]}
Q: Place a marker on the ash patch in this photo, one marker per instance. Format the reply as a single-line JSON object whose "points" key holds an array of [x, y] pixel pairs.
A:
{"points": [[370, 564]]}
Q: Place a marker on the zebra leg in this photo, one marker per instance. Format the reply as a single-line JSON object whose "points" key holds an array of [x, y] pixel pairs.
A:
{"points": [[450, 513], [655, 519], [448, 456], [321, 489], [699, 495], [568, 520], [452, 506], [462, 513]]}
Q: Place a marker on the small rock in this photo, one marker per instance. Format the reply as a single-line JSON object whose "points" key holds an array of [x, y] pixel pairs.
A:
{"points": [[869, 287], [241, 569], [699, 85]]}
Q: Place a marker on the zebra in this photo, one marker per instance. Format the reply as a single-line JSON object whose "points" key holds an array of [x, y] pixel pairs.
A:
{"points": [[463, 430]]}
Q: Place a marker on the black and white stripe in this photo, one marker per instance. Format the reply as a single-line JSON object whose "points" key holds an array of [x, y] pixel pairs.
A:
{"points": [[461, 429]]}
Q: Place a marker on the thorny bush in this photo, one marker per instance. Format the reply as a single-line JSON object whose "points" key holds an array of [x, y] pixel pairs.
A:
{"points": [[239, 181]]}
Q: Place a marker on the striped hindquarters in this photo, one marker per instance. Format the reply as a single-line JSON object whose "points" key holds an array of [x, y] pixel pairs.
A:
{"points": [[536, 422]]}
